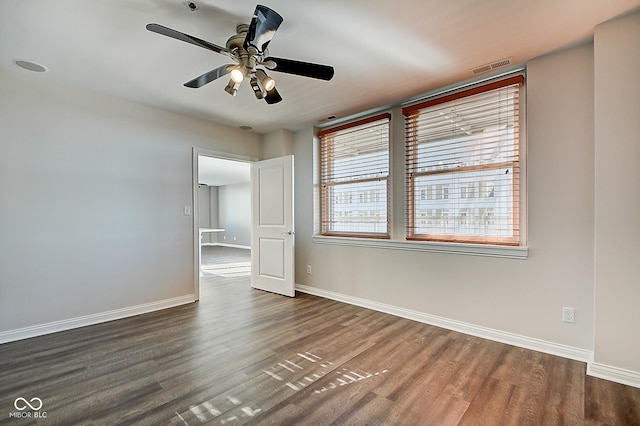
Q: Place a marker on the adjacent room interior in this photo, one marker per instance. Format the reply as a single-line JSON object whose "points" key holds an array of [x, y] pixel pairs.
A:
{"points": [[224, 216]]}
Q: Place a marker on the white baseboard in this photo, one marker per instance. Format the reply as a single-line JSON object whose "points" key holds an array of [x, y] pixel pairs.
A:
{"points": [[227, 245], [614, 374], [570, 352], [68, 324]]}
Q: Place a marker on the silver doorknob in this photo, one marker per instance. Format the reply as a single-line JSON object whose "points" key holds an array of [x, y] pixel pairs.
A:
{"points": [[287, 233]]}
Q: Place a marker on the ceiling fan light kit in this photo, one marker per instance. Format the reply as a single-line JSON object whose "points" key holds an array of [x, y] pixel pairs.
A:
{"points": [[232, 87], [248, 48], [267, 82], [237, 74]]}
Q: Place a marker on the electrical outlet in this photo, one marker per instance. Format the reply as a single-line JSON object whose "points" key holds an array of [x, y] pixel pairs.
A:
{"points": [[568, 315], [308, 269]]}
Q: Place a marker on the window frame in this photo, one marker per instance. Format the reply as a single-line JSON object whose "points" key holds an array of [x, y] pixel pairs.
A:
{"points": [[411, 113], [325, 199]]}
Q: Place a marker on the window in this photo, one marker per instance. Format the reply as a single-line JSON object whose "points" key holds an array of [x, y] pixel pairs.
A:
{"points": [[458, 143], [354, 165]]}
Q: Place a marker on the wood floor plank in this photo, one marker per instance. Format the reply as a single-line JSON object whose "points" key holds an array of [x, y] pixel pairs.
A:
{"points": [[372, 409], [488, 406], [565, 393], [525, 405], [409, 365], [468, 380], [445, 410], [429, 388], [244, 356], [611, 403]]}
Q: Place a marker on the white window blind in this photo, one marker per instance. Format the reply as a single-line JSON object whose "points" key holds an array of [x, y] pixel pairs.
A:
{"points": [[462, 166], [354, 178]]}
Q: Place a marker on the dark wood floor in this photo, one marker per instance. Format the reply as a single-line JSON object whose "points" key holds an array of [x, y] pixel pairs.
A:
{"points": [[247, 356]]}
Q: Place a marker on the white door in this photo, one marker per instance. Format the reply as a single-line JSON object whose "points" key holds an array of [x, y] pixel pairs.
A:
{"points": [[272, 237]]}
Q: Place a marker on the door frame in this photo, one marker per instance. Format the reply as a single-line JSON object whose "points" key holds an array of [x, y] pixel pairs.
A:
{"points": [[195, 224]]}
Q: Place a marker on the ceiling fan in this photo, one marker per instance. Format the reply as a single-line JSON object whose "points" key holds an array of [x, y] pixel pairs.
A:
{"points": [[248, 48]]}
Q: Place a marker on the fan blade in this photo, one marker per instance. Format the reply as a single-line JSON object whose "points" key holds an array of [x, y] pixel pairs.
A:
{"points": [[263, 26], [306, 69], [156, 28], [208, 77], [273, 97]]}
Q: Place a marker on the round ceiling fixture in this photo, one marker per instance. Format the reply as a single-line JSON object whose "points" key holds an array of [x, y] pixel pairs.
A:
{"points": [[245, 127], [30, 66]]}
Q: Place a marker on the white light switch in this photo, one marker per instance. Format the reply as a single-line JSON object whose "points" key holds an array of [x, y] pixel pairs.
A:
{"points": [[187, 210]]}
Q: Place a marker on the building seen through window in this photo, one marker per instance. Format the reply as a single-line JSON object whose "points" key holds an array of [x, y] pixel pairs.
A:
{"points": [[355, 178]]}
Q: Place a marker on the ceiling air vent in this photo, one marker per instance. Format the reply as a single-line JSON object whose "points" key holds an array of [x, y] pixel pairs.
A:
{"points": [[493, 65]]}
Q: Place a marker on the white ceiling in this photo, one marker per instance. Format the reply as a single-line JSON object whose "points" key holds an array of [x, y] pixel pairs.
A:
{"points": [[383, 52], [219, 172]]}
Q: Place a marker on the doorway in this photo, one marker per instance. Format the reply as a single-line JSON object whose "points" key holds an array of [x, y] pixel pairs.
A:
{"points": [[221, 219]]}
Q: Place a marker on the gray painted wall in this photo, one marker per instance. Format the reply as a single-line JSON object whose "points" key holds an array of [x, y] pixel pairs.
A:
{"points": [[93, 191], [208, 212], [617, 212], [523, 297], [204, 211], [234, 214], [227, 207], [213, 212]]}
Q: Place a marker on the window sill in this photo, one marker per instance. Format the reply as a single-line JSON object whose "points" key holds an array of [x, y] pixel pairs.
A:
{"points": [[434, 247]]}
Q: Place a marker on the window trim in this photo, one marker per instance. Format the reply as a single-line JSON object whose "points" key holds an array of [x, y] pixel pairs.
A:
{"points": [[488, 250], [324, 197], [481, 87], [411, 112]]}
